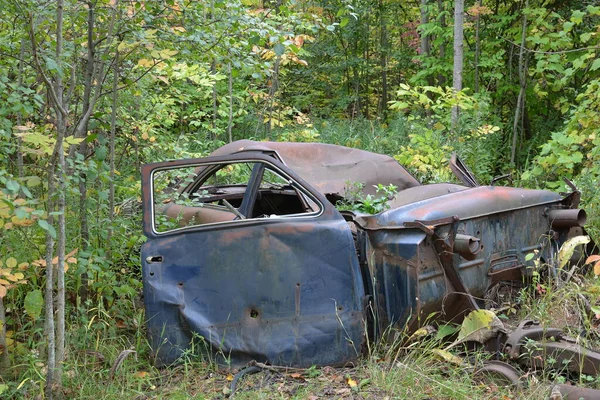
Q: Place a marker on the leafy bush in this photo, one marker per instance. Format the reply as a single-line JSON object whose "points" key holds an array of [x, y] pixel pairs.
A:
{"points": [[574, 153]]}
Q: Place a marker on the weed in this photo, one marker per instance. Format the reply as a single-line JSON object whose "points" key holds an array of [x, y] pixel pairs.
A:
{"points": [[356, 200]]}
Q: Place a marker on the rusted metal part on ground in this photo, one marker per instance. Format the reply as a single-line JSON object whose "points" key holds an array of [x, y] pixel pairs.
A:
{"points": [[248, 258], [570, 392], [541, 347]]}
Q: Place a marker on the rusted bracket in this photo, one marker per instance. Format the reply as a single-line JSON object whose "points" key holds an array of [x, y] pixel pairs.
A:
{"points": [[429, 226], [444, 247]]}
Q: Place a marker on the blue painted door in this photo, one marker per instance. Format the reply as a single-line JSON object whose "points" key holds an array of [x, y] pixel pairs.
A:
{"points": [[244, 261]]}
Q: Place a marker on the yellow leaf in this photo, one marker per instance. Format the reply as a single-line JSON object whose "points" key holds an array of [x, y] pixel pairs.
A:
{"points": [[352, 383], [2, 291], [19, 275], [141, 374], [4, 282], [11, 262], [568, 248], [145, 136], [229, 377], [447, 356], [597, 268], [144, 62], [72, 260], [22, 222]]}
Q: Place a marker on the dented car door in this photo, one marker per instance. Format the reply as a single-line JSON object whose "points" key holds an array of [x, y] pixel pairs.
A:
{"points": [[245, 261]]}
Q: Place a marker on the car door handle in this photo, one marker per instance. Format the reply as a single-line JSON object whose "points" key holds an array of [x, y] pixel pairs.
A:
{"points": [[154, 259]]}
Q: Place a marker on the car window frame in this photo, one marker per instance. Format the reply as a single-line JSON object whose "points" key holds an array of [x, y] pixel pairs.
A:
{"points": [[301, 187]]}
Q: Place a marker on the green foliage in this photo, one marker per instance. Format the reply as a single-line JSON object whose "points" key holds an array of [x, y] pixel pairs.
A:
{"points": [[573, 153], [356, 200], [303, 71], [433, 139]]}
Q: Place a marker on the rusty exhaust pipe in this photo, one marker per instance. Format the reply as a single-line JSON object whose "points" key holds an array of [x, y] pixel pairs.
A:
{"points": [[467, 246], [567, 218]]}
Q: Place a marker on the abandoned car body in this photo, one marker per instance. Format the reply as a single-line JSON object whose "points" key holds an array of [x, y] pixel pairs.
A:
{"points": [[248, 255]]}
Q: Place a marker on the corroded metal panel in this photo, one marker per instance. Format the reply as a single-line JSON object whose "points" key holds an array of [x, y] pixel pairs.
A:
{"points": [[286, 291]]}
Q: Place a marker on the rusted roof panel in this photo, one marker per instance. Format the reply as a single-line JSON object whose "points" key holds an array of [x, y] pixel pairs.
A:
{"points": [[329, 168]]}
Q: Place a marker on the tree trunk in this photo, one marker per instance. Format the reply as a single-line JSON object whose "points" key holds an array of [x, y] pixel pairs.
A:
{"points": [[459, 10], [424, 20], [4, 359], [56, 170], [383, 62], [111, 157], [477, 47], [215, 102], [441, 76], [271, 99], [230, 124], [19, 117], [367, 72], [523, 85]]}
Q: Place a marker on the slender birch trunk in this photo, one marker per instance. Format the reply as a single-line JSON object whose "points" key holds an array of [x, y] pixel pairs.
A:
{"points": [[459, 11]]}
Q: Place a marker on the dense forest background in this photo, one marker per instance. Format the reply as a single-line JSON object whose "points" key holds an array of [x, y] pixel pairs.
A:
{"points": [[90, 90]]}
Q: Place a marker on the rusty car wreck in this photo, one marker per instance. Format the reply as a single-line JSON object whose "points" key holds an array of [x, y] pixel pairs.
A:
{"points": [[248, 255]]}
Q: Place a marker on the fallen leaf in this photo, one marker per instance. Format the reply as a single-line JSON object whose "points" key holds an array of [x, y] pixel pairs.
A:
{"points": [[352, 383], [229, 377], [592, 259], [447, 356], [141, 374], [568, 248], [479, 326], [297, 375]]}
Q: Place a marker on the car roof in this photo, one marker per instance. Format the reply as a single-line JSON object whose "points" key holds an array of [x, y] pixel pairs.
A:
{"points": [[330, 168]]}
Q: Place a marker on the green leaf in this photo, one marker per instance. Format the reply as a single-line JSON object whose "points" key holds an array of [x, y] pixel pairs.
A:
{"points": [[52, 65], [12, 186], [11, 262], [344, 22], [577, 16], [34, 303], [47, 227], [444, 331], [33, 181], [279, 49], [585, 37], [595, 64]]}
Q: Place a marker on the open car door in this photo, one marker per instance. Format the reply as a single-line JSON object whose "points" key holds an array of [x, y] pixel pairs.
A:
{"points": [[245, 261]]}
